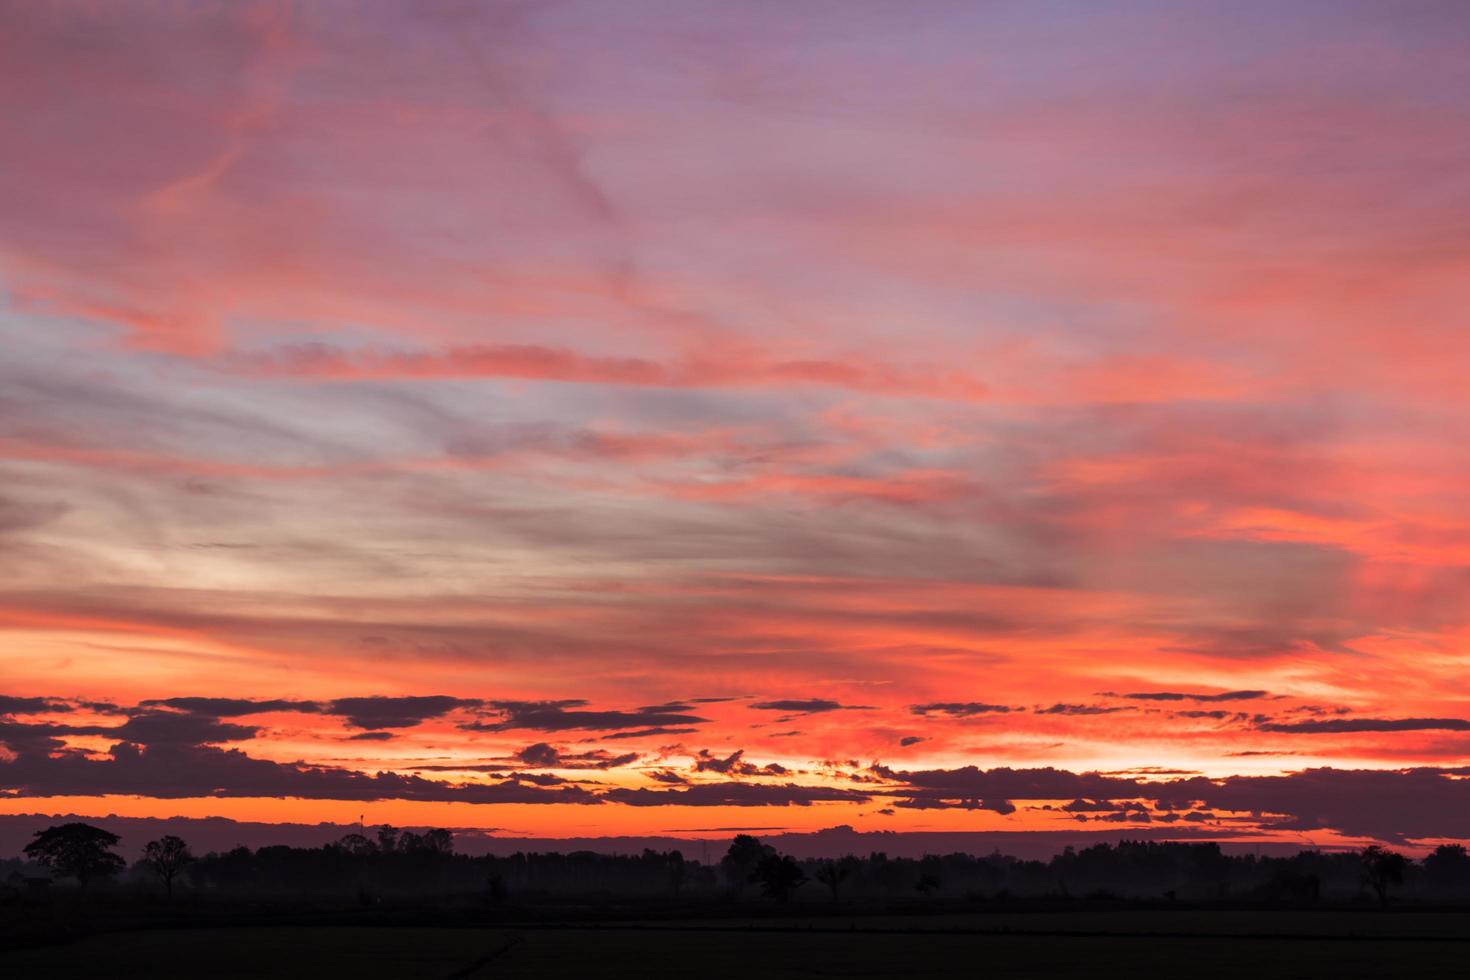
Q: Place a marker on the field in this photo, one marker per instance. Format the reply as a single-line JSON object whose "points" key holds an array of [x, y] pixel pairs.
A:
{"points": [[1128, 945]]}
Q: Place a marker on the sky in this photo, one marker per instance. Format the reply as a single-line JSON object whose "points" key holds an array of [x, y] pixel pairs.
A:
{"points": [[668, 417]]}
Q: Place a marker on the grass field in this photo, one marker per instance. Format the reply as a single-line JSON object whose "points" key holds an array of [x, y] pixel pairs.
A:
{"points": [[1399, 946]]}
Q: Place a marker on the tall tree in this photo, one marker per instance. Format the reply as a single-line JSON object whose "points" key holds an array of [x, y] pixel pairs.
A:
{"points": [[740, 861], [779, 876], [1382, 868], [77, 850], [832, 874], [167, 856], [1448, 867]]}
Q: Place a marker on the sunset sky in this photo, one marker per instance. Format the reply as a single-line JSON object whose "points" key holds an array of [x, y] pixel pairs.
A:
{"points": [[610, 418]]}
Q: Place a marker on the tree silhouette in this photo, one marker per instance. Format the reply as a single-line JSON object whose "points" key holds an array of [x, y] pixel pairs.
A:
{"points": [[678, 870], [779, 876], [832, 874], [741, 860], [423, 864], [1381, 868], [167, 856], [78, 850], [1448, 866]]}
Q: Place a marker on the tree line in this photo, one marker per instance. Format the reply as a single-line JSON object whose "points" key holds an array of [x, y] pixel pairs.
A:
{"points": [[404, 864]]}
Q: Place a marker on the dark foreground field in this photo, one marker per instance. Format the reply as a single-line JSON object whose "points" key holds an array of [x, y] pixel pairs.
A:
{"points": [[1195, 946]]}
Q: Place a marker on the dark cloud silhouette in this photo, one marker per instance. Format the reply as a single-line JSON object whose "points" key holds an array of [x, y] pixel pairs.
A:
{"points": [[668, 706], [24, 736], [908, 740], [561, 716], [231, 707], [1319, 709], [1079, 709], [735, 765], [173, 748], [10, 705], [1393, 805], [142, 728], [667, 776], [735, 794], [542, 755], [957, 709], [377, 713], [538, 778], [496, 770], [968, 803], [707, 762], [173, 728], [1323, 726], [396, 712], [953, 786], [1089, 806], [648, 732], [808, 706], [172, 771], [1181, 696]]}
